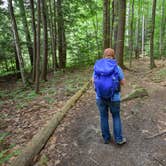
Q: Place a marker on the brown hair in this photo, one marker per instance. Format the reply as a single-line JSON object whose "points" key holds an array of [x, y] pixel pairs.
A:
{"points": [[109, 53]]}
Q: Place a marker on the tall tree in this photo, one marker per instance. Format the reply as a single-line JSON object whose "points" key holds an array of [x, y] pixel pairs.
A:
{"points": [[55, 31], [121, 32], [17, 41], [112, 25], [137, 47], [52, 36], [45, 48], [152, 63], [143, 34], [106, 24], [131, 45], [16, 59], [64, 47], [26, 29], [61, 36], [34, 39], [162, 29], [115, 7], [38, 47]]}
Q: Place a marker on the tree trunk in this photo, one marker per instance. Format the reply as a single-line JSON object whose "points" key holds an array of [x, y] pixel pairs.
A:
{"points": [[131, 33], [45, 48], [115, 22], [112, 25], [162, 30], [52, 35], [55, 32], [38, 48], [27, 34], [152, 63], [34, 39], [61, 36], [6, 65], [143, 34], [121, 32], [97, 38], [17, 42], [64, 46], [137, 48], [16, 59], [106, 24], [17, 67]]}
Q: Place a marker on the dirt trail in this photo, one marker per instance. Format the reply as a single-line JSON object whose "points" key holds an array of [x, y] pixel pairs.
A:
{"points": [[77, 141]]}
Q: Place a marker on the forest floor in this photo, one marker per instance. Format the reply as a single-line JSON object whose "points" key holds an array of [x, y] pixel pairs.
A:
{"points": [[78, 141]]}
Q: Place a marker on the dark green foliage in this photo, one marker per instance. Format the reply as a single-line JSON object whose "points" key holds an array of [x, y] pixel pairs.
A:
{"points": [[81, 32], [7, 53], [83, 24]]}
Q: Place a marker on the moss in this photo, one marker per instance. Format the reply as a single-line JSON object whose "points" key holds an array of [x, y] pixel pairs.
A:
{"points": [[138, 93]]}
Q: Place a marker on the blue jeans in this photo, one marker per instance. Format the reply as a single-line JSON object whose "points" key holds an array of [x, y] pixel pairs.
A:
{"points": [[114, 106]]}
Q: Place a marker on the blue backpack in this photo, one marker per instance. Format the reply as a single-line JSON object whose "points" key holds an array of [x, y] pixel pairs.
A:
{"points": [[106, 78]]}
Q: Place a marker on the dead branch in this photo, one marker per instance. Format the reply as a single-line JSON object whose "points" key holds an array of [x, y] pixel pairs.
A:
{"points": [[156, 135], [159, 161]]}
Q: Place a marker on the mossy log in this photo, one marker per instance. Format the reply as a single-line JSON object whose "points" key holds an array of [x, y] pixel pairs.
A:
{"points": [[137, 93], [40, 139]]}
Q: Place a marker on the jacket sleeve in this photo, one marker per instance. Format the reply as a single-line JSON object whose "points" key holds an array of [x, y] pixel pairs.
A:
{"points": [[121, 74]]}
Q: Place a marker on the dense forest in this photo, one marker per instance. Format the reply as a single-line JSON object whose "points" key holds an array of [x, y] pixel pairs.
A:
{"points": [[42, 36], [47, 52]]}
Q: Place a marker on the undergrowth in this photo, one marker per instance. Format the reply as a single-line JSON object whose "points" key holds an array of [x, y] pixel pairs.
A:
{"points": [[59, 83], [69, 81], [6, 151], [160, 75]]}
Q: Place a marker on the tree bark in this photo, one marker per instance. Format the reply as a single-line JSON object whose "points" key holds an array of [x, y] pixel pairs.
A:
{"points": [[16, 59], [152, 63], [55, 32], [131, 33], [121, 32], [106, 24], [162, 29], [45, 47], [61, 36], [38, 47], [27, 33], [17, 42], [112, 25], [143, 34], [34, 39], [115, 22], [53, 39], [64, 46], [137, 48]]}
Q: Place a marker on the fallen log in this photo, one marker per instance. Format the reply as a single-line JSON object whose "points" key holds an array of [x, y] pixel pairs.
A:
{"points": [[137, 93], [28, 153]]}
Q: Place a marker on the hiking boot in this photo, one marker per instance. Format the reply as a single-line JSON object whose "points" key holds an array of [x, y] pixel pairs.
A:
{"points": [[107, 141], [122, 142]]}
